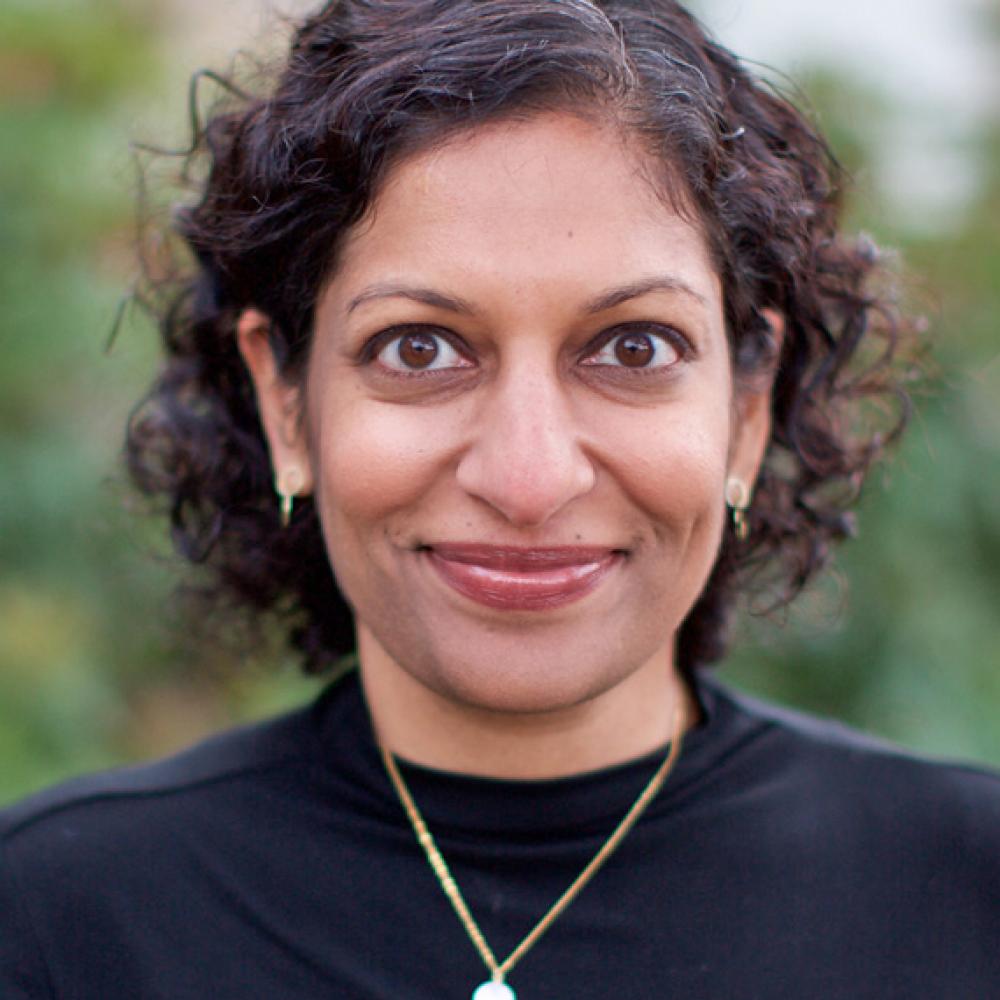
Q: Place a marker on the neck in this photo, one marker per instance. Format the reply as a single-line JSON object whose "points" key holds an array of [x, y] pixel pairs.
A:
{"points": [[424, 726]]}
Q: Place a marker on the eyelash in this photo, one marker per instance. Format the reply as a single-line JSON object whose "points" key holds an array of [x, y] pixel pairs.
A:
{"points": [[654, 331], [371, 351], [669, 336]]}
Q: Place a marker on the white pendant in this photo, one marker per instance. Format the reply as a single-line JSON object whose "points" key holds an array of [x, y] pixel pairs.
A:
{"points": [[494, 991]]}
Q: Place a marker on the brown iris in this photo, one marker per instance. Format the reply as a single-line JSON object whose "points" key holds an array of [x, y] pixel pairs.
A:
{"points": [[634, 350], [418, 350]]}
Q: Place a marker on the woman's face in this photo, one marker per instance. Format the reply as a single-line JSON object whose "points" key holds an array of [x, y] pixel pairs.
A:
{"points": [[519, 418]]}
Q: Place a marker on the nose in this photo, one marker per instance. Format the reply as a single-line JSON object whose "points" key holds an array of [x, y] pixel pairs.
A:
{"points": [[526, 459]]}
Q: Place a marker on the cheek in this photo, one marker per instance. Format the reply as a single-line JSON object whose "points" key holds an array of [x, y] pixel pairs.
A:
{"points": [[370, 460], [673, 466], [674, 483]]}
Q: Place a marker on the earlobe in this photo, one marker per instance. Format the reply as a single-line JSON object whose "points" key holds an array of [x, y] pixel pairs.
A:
{"points": [[278, 402], [751, 436]]}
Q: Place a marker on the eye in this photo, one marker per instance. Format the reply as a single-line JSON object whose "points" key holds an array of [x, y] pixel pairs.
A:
{"points": [[420, 351], [636, 349]]}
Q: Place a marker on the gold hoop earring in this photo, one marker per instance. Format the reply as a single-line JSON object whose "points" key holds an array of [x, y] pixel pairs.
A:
{"points": [[738, 501], [287, 487]]}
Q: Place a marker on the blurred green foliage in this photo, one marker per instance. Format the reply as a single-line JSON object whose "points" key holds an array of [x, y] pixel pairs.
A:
{"points": [[912, 649], [96, 666], [91, 670]]}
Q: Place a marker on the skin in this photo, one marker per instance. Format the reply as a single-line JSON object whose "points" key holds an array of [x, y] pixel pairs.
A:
{"points": [[527, 430]]}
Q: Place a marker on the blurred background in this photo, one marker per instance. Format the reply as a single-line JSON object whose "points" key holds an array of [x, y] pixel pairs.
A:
{"points": [[97, 665]]}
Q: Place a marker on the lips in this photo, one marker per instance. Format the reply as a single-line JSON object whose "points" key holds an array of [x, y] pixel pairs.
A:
{"points": [[522, 579]]}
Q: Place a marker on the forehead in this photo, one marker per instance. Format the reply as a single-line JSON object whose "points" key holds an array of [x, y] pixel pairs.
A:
{"points": [[553, 198]]}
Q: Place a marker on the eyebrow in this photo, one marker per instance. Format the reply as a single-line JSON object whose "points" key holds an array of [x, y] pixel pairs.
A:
{"points": [[606, 300], [636, 289], [427, 296]]}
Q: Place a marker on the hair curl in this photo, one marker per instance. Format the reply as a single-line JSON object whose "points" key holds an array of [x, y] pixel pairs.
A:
{"points": [[368, 81]]}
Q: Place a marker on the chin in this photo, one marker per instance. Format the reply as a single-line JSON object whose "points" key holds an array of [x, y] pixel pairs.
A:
{"points": [[530, 677], [520, 695], [519, 663]]}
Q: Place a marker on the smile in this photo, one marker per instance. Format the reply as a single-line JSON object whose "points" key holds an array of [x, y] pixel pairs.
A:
{"points": [[522, 579]]}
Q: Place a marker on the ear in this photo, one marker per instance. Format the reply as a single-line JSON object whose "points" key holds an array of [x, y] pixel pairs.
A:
{"points": [[752, 414], [279, 403]]}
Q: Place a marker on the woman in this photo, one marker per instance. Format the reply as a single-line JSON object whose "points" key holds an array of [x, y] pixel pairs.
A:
{"points": [[536, 315]]}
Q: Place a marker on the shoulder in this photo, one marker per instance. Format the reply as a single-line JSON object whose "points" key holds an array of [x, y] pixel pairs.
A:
{"points": [[175, 789], [826, 736], [838, 779], [906, 844], [78, 860]]}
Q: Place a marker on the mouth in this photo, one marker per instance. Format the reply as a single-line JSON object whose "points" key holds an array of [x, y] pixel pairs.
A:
{"points": [[522, 579]]}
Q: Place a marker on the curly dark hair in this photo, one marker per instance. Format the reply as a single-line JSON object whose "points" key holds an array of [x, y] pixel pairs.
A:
{"points": [[369, 81]]}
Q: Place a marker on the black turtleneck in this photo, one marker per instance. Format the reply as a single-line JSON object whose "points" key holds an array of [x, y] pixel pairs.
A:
{"points": [[786, 857]]}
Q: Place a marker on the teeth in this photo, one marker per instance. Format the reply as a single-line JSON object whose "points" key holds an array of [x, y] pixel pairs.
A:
{"points": [[533, 576]]}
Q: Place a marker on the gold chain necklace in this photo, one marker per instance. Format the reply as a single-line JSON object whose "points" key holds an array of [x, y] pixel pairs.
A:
{"points": [[496, 988]]}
